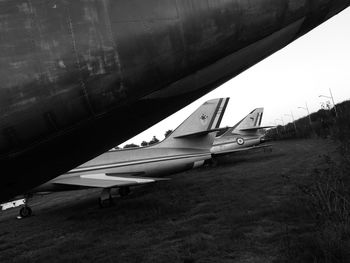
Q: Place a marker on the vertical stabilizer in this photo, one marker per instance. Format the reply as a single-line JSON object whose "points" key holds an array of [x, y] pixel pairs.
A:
{"points": [[197, 129], [251, 121]]}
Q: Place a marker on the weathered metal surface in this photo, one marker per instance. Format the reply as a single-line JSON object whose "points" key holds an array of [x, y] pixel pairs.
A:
{"points": [[78, 77]]}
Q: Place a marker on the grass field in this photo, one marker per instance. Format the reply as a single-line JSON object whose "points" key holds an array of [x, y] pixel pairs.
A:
{"points": [[242, 210]]}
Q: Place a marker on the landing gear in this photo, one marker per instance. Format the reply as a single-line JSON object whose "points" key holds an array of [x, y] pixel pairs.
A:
{"points": [[124, 191], [105, 199], [25, 211]]}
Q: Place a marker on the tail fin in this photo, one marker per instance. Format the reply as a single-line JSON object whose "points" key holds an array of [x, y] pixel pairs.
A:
{"points": [[196, 131], [251, 122]]}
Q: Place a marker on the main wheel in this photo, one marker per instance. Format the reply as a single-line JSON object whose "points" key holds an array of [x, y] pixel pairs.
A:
{"points": [[25, 211]]}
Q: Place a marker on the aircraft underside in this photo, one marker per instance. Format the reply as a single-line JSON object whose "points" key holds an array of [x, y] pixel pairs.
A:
{"points": [[79, 77]]}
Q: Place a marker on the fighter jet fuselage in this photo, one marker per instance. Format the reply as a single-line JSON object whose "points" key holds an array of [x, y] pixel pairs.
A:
{"points": [[78, 77], [186, 148]]}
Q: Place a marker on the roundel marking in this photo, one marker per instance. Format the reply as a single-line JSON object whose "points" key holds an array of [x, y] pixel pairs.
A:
{"points": [[204, 119], [240, 141]]}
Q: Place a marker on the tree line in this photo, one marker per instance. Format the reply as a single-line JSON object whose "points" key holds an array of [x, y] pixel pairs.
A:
{"points": [[154, 140], [323, 123]]}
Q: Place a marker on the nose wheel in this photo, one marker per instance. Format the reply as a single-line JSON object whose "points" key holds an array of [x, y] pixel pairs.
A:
{"points": [[105, 199]]}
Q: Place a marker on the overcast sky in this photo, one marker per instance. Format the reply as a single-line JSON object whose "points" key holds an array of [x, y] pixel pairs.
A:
{"points": [[297, 74]]}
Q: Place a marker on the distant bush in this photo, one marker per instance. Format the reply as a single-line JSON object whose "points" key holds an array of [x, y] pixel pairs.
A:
{"points": [[131, 145], [144, 144], [167, 133], [153, 141]]}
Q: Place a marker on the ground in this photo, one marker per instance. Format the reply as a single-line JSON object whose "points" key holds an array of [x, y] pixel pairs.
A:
{"points": [[241, 210]]}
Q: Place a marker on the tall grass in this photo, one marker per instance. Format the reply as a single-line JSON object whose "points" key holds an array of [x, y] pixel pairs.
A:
{"points": [[326, 195], [328, 200]]}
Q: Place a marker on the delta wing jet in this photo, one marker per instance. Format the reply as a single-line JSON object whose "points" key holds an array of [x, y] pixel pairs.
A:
{"points": [[245, 135], [186, 148]]}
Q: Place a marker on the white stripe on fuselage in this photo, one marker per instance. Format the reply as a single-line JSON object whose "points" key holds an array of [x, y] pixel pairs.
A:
{"points": [[115, 178], [151, 160]]}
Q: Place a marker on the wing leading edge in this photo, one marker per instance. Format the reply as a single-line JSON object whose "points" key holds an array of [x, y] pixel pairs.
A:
{"points": [[106, 180]]}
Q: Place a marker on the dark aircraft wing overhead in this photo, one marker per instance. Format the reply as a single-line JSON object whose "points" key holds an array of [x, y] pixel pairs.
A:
{"points": [[106, 181]]}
